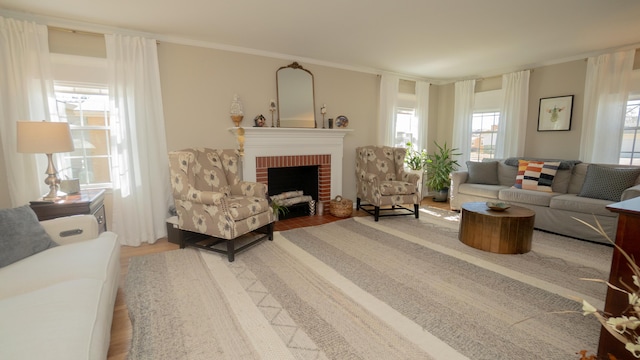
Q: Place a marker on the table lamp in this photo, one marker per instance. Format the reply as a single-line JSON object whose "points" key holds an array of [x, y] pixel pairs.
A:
{"points": [[45, 137]]}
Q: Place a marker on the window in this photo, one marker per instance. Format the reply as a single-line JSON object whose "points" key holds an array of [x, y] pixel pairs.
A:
{"points": [[406, 127], [630, 150], [85, 108], [484, 131]]}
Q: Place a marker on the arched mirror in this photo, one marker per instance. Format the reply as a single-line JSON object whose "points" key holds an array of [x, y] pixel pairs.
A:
{"points": [[296, 106]]}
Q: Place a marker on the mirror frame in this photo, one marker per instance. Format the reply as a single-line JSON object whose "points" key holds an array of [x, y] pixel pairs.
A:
{"points": [[297, 66]]}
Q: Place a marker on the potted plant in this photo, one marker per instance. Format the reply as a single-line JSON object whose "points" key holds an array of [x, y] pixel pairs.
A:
{"points": [[416, 162], [439, 166], [278, 210]]}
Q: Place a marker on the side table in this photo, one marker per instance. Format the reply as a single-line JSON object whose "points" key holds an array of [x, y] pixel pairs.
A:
{"points": [[85, 202], [504, 232], [616, 302]]}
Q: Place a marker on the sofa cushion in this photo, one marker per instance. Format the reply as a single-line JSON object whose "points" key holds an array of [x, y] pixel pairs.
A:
{"points": [[536, 175], [608, 183], [564, 164], [532, 197], [507, 174], [21, 235], [488, 191], [95, 259], [574, 203], [54, 322], [561, 181], [483, 172]]}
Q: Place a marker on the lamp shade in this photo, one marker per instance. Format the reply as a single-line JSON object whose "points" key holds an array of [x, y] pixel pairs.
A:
{"points": [[44, 137]]}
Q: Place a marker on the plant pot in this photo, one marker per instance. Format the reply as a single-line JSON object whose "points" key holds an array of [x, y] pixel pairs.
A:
{"points": [[441, 195]]}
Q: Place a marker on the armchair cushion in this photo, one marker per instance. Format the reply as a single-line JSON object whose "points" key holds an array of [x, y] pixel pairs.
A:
{"points": [[397, 188], [21, 235], [242, 207]]}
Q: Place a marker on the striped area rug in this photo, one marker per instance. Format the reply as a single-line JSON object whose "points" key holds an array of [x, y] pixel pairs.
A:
{"points": [[356, 289]]}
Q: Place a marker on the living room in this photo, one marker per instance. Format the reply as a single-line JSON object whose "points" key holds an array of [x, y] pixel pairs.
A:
{"points": [[200, 78]]}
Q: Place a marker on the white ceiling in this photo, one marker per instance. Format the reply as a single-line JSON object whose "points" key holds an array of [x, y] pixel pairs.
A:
{"points": [[440, 40]]}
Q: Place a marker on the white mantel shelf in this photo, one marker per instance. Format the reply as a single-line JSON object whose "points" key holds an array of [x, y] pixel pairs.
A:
{"points": [[274, 141]]}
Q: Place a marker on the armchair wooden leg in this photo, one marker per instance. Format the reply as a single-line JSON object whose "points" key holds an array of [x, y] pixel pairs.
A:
{"points": [[183, 242], [416, 209], [376, 213], [357, 204], [270, 231], [231, 251]]}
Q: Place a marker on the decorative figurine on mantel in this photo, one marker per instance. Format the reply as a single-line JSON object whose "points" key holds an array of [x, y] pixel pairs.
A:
{"points": [[323, 110], [236, 110], [272, 108], [259, 121]]}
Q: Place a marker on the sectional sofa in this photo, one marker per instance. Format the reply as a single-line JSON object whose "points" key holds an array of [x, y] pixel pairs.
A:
{"points": [[57, 301], [557, 190]]}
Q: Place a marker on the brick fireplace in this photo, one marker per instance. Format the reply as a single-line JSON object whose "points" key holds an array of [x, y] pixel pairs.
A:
{"points": [[288, 147], [264, 163]]}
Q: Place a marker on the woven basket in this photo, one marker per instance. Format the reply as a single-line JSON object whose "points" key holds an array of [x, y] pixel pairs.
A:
{"points": [[340, 207]]}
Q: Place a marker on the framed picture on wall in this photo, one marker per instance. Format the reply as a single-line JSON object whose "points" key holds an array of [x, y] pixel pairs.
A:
{"points": [[554, 113]]}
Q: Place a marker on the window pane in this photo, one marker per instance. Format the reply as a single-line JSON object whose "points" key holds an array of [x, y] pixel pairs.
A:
{"points": [[406, 127], [484, 128], [86, 111], [90, 142], [90, 170], [628, 139], [630, 148]]}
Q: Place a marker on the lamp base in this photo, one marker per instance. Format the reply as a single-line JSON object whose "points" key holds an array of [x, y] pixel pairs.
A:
{"points": [[54, 195], [53, 181]]}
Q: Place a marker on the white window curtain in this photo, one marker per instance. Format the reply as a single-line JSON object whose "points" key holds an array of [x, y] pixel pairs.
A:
{"points": [[462, 119], [26, 93], [387, 109], [605, 100], [140, 169], [422, 112], [512, 127]]}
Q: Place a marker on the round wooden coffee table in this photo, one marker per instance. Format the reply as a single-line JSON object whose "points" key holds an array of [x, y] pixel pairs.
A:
{"points": [[502, 232]]}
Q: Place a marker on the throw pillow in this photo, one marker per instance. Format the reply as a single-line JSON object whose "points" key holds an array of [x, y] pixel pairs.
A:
{"points": [[607, 183], [483, 172], [21, 235], [536, 175]]}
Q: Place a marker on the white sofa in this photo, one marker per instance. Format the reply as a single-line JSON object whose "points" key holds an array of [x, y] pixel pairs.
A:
{"points": [[555, 210], [58, 303]]}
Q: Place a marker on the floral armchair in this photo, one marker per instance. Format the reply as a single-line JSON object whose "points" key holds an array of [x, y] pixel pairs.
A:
{"points": [[211, 199], [383, 184]]}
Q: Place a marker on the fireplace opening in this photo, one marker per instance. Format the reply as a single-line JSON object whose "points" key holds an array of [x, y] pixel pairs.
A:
{"points": [[294, 178]]}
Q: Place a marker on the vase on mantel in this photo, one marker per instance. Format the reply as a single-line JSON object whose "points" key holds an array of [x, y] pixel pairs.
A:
{"points": [[236, 110], [237, 119]]}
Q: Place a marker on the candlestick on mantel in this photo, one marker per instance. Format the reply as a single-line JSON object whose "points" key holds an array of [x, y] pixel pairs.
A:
{"points": [[272, 108], [323, 110]]}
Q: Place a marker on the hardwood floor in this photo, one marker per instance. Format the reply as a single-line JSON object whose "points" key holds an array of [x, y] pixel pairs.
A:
{"points": [[121, 326]]}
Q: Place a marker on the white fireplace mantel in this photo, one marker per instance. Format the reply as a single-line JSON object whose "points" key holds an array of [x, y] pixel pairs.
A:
{"points": [[272, 141]]}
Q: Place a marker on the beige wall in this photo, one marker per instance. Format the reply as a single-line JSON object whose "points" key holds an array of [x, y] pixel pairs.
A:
{"points": [[549, 81], [199, 83]]}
